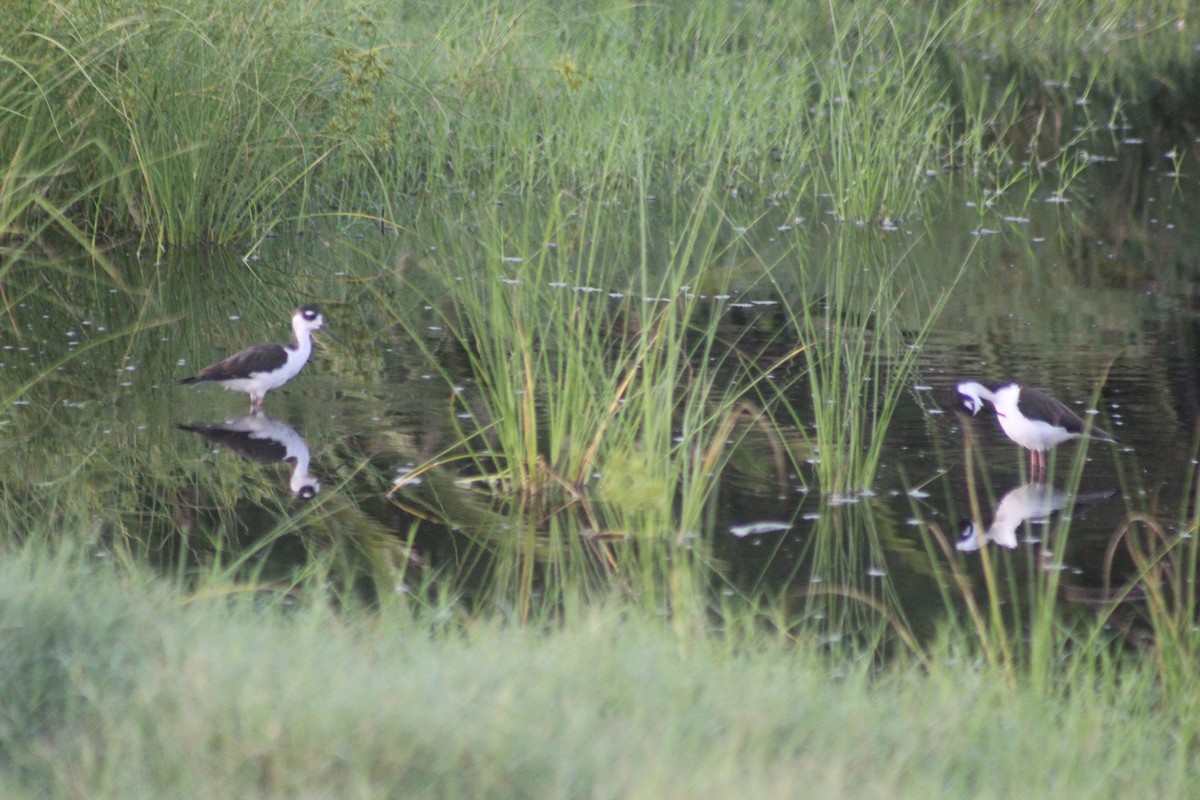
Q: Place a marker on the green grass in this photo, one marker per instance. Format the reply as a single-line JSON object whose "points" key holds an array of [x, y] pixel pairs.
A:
{"points": [[190, 122], [601, 384], [116, 685], [525, 155], [858, 351]]}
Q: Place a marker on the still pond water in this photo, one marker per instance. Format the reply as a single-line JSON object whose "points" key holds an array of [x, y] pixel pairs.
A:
{"points": [[1094, 300]]}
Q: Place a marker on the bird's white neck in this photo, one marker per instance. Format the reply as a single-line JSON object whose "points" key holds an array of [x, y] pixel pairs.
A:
{"points": [[301, 338]]}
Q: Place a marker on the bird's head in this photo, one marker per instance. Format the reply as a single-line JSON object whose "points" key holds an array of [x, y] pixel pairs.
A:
{"points": [[309, 318], [971, 396]]}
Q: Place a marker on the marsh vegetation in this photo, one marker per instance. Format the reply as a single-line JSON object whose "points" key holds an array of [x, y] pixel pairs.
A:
{"points": [[635, 473]]}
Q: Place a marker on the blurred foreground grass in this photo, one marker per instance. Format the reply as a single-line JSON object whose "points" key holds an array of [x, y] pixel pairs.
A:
{"points": [[114, 685]]}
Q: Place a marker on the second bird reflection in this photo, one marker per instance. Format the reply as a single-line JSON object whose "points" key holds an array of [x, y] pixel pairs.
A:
{"points": [[1032, 502], [261, 438]]}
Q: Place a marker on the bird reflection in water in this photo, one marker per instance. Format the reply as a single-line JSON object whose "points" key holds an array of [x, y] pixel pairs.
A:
{"points": [[1033, 502], [260, 438]]}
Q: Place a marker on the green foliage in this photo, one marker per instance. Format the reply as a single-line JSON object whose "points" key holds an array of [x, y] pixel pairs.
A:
{"points": [[117, 685], [198, 110], [189, 122], [577, 180]]}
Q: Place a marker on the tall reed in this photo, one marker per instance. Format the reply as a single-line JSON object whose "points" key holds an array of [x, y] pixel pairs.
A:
{"points": [[192, 115], [858, 349], [601, 379], [220, 122], [51, 166]]}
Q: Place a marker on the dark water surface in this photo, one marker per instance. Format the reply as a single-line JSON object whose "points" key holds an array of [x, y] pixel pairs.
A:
{"points": [[1095, 304]]}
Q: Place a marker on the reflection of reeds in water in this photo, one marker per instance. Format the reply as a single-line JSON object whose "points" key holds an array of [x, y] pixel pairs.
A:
{"points": [[1024, 614], [1162, 583], [848, 598]]}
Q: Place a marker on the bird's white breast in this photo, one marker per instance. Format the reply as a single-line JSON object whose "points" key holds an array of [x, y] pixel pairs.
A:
{"points": [[1031, 434]]}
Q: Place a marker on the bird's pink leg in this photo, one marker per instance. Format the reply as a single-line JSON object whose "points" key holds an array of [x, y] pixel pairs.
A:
{"points": [[1037, 464]]}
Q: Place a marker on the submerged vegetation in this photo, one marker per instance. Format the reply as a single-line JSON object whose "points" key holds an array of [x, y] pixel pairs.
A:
{"points": [[554, 215]]}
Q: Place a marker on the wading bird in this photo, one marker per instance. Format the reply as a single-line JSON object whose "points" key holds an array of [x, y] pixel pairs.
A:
{"points": [[1031, 418], [256, 370]]}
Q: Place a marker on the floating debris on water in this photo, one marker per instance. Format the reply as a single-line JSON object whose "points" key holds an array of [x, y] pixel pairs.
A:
{"points": [[759, 528]]}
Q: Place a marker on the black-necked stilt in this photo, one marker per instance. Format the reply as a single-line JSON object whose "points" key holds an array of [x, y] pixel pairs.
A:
{"points": [[258, 437], [257, 370], [1031, 418]]}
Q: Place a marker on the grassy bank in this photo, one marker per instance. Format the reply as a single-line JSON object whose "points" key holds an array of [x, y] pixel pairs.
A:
{"points": [[190, 122], [117, 686]]}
